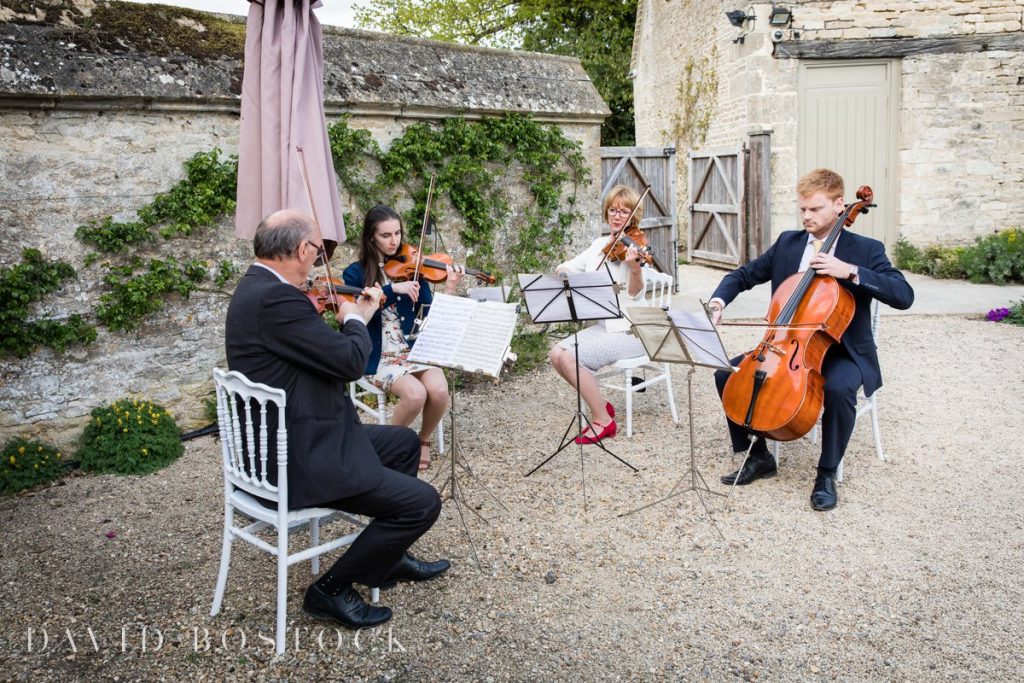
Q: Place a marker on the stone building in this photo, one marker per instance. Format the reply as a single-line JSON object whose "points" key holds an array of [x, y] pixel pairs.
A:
{"points": [[100, 105], [921, 99]]}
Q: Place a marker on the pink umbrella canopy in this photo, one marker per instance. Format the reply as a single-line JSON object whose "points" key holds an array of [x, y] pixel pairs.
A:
{"points": [[283, 108]]}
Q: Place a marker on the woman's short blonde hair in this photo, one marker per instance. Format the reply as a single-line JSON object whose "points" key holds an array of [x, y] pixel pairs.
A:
{"points": [[627, 197]]}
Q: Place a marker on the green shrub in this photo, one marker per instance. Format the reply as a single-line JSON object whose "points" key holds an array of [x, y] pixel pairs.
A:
{"points": [[26, 464], [130, 437], [1016, 316], [995, 258]]}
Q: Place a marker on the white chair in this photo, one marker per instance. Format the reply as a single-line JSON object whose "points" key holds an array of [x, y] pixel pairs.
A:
{"points": [[660, 287], [865, 404], [245, 467], [362, 393]]}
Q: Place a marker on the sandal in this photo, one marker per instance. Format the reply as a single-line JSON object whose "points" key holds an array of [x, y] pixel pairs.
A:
{"points": [[424, 462]]}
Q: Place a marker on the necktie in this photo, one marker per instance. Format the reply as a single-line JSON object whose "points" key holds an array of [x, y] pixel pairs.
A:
{"points": [[817, 245]]}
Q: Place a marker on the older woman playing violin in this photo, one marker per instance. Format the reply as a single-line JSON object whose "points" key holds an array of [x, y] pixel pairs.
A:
{"points": [[418, 387], [605, 341]]}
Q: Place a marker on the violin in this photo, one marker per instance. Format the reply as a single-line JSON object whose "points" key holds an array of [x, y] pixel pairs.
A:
{"points": [[326, 293], [404, 264], [777, 389], [632, 236]]}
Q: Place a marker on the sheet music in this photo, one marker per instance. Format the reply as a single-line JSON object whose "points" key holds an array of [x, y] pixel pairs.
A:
{"points": [[499, 294], [701, 338], [596, 296], [465, 334], [655, 331]]}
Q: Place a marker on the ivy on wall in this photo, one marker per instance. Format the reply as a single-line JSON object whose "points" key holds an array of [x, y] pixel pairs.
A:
{"points": [[695, 101], [475, 162]]}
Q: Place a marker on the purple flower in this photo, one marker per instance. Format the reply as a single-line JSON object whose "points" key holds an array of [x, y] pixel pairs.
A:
{"points": [[111, 534], [997, 314]]}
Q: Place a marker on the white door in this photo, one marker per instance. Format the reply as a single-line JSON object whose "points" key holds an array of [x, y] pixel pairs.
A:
{"points": [[849, 123]]}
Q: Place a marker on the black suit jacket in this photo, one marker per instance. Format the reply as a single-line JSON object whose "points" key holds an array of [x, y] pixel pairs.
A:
{"points": [[878, 279], [274, 336]]}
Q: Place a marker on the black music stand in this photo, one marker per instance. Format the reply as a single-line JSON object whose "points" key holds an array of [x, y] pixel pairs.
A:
{"points": [[686, 339], [579, 297]]}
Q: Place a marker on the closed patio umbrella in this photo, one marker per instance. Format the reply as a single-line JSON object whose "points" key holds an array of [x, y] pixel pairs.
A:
{"points": [[283, 107]]}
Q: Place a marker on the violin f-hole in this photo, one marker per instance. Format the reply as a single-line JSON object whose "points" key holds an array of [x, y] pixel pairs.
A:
{"points": [[793, 365]]}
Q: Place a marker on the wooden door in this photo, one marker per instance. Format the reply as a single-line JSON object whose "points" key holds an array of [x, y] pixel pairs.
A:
{"points": [[639, 167], [848, 122], [717, 236]]}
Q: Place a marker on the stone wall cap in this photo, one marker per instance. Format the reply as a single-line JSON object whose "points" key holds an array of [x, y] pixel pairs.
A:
{"points": [[168, 54]]}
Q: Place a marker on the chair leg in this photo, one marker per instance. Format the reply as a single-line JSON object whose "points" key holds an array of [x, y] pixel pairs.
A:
{"points": [[225, 560], [375, 595], [314, 540], [814, 433], [629, 402], [671, 395], [876, 428], [440, 438], [282, 587], [775, 453]]}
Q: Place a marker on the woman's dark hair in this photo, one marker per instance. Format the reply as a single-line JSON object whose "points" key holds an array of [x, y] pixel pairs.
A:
{"points": [[368, 256]]}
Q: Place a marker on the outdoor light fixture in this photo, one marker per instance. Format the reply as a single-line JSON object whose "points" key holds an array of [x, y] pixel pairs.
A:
{"points": [[737, 17], [780, 16]]}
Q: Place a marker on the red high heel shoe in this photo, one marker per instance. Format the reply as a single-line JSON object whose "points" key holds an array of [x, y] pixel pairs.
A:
{"points": [[607, 432]]}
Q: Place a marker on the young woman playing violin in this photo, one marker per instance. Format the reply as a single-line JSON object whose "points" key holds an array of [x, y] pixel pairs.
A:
{"points": [[418, 387], [605, 341]]}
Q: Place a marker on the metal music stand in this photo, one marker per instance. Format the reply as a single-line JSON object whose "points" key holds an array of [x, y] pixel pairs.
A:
{"points": [[686, 339], [435, 332], [579, 297]]}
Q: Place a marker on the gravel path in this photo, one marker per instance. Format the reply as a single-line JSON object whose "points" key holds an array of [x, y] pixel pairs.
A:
{"points": [[916, 576]]}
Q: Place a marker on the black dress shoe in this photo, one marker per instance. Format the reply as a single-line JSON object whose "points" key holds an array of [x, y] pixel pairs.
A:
{"points": [[760, 466], [410, 569], [824, 497], [347, 608]]}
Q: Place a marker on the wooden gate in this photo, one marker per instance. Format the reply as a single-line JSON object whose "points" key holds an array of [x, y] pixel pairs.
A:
{"points": [[717, 235], [638, 167]]}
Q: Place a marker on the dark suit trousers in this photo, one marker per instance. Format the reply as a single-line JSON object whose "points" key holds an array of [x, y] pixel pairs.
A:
{"points": [[842, 379], [402, 507]]}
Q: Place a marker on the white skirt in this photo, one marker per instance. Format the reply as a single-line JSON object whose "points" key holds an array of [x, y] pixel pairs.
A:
{"points": [[599, 347]]}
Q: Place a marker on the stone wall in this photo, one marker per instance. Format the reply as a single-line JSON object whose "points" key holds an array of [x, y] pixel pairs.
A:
{"points": [[961, 148], [86, 132]]}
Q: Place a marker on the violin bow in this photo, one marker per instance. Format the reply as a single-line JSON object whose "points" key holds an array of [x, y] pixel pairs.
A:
{"points": [[423, 228], [636, 207], [304, 174]]}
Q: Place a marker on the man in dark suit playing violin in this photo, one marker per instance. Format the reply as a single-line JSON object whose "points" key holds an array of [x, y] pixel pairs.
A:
{"points": [[860, 265], [275, 336]]}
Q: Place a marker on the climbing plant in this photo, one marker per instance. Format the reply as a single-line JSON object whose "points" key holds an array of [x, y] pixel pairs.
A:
{"points": [[137, 288], [475, 163], [21, 286]]}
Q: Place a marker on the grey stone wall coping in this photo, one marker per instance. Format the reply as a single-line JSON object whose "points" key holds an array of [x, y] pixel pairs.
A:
{"points": [[41, 66]]}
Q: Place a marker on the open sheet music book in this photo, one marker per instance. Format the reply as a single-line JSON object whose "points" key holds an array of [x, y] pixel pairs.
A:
{"points": [[465, 334], [678, 336]]}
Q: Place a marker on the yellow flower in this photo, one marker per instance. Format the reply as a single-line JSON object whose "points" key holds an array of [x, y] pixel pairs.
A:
{"points": [[13, 460], [39, 449], [145, 451], [59, 456], [118, 422], [21, 450], [36, 466], [125, 430]]}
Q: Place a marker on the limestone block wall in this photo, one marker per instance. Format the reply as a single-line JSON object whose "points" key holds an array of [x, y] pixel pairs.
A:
{"points": [[961, 148], [99, 126]]}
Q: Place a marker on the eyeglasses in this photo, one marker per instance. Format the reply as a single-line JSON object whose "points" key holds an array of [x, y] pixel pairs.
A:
{"points": [[622, 213], [320, 251]]}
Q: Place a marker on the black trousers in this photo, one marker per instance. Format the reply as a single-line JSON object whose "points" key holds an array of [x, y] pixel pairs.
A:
{"points": [[842, 379], [402, 507]]}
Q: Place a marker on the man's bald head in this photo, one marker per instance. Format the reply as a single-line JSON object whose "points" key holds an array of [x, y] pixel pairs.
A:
{"points": [[281, 233]]}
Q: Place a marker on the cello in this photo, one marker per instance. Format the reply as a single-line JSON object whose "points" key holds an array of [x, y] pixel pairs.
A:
{"points": [[777, 389]]}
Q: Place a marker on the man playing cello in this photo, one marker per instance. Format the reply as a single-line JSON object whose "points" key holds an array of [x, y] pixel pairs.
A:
{"points": [[860, 265]]}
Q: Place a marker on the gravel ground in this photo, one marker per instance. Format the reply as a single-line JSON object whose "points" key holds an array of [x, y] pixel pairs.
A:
{"points": [[916, 576]]}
